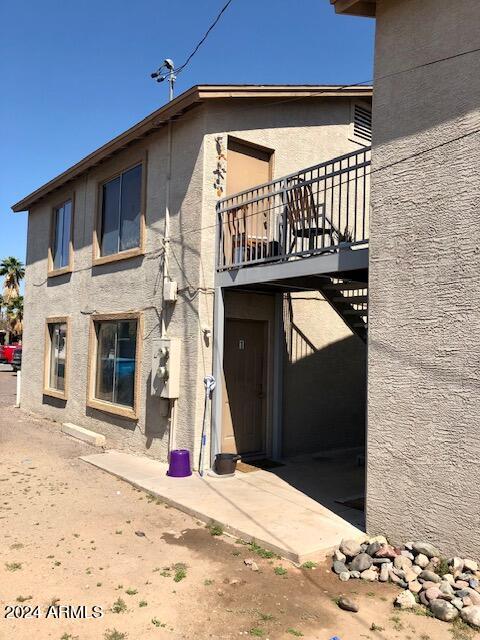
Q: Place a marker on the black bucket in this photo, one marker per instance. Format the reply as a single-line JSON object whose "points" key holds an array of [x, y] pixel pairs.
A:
{"points": [[225, 463]]}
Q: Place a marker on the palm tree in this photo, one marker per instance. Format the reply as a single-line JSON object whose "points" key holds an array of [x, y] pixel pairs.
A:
{"points": [[15, 315], [13, 271]]}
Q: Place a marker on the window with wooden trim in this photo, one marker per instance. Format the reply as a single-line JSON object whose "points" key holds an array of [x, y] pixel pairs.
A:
{"points": [[61, 236], [56, 357], [114, 363], [121, 212]]}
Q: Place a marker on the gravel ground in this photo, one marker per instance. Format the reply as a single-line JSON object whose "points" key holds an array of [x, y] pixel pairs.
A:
{"points": [[73, 535]]}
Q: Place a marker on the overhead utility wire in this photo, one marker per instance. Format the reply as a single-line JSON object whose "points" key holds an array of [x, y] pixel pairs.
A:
{"points": [[377, 170], [370, 82], [162, 76], [210, 28]]}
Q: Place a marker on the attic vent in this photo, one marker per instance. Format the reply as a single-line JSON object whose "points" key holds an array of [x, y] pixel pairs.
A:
{"points": [[362, 123]]}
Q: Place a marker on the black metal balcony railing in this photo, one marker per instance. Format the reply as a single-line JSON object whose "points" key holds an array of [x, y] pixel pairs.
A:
{"points": [[317, 210]]}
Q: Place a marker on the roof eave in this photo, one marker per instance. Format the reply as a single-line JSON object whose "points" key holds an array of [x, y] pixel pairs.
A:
{"points": [[187, 100], [365, 8]]}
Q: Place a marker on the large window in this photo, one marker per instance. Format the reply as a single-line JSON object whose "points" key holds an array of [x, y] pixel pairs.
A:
{"points": [[115, 355], [60, 247], [121, 212], [56, 357]]}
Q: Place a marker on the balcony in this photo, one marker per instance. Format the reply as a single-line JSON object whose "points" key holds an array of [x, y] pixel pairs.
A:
{"points": [[322, 210]]}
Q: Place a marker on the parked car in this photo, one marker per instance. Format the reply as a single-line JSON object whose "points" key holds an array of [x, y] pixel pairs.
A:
{"points": [[6, 353], [17, 359]]}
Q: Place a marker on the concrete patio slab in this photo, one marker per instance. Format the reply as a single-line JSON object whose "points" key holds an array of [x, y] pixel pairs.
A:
{"points": [[256, 506]]}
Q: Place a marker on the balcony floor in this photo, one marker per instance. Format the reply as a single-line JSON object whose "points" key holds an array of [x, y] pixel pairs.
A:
{"points": [[327, 263]]}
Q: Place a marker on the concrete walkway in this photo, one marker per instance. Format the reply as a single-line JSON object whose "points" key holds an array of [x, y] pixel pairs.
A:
{"points": [[252, 506]]}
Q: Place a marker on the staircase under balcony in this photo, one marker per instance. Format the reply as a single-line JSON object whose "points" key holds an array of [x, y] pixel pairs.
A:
{"points": [[307, 231]]}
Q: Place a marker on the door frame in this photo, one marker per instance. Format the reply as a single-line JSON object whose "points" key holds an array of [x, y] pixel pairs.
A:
{"points": [[274, 378], [267, 374]]}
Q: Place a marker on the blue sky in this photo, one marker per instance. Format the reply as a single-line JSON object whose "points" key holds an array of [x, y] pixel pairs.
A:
{"points": [[75, 74]]}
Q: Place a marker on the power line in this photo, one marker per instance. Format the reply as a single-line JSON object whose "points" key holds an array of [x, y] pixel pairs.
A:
{"points": [[373, 171], [373, 81], [210, 28]]}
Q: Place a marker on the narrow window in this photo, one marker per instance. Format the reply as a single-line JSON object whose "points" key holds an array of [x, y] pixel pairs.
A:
{"points": [[57, 357], [116, 361], [62, 222], [121, 212]]}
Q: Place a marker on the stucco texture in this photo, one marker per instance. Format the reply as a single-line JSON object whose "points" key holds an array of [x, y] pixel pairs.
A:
{"points": [[423, 477], [301, 133]]}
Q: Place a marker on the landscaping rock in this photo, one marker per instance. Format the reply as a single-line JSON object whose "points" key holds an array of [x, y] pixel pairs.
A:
{"points": [[471, 615], [423, 599], [348, 605], [416, 569], [387, 551], [456, 564], [470, 565], [426, 548], [362, 562], [474, 596], [430, 576], [380, 539], [370, 575], [350, 548], [401, 562], [395, 579], [449, 578], [344, 576], [446, 588], [415, 586], [339, 567], [433, 593], [457, 603], [410, 575], [373, 547], [443, 610], [461, 584], [355, 574], [378, 561], [406, 600], [384, 572], [407, 554], [421, 560], [338, 555]]}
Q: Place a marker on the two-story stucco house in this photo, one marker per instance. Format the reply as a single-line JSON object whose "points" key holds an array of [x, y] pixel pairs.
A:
{"points": [[137, 284], [423, 445]]}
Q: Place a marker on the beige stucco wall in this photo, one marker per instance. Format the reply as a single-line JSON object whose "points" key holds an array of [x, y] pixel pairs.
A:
{"points": [[324, 378], [424, 322], [302, 133]]}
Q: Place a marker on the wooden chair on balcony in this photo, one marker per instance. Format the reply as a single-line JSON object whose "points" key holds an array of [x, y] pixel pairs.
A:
{"points": [[306, 218]]}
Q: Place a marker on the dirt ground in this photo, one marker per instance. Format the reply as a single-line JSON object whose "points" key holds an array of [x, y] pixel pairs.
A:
{"points": [[69, 536]]}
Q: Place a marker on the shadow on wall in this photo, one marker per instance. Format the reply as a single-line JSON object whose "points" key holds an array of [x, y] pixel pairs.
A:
{"points": [[324, 395]]}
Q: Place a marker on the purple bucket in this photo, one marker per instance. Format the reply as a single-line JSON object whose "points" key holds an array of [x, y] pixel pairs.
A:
{"points": [[179, 464]]}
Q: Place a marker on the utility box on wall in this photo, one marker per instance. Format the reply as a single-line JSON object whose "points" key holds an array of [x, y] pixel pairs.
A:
{"points": [[166, 368]]}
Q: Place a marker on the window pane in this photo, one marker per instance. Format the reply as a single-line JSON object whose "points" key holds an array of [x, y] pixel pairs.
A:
{"points": [[106, 354], [58, 351], [125, 369], [115, 373], [67, 221], [130, 208], [110, 217], [61, 242]]}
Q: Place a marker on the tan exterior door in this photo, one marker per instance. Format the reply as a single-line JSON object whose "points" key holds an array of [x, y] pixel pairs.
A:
{"points": [[246, 228], [247, 166], [245, 397]]}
